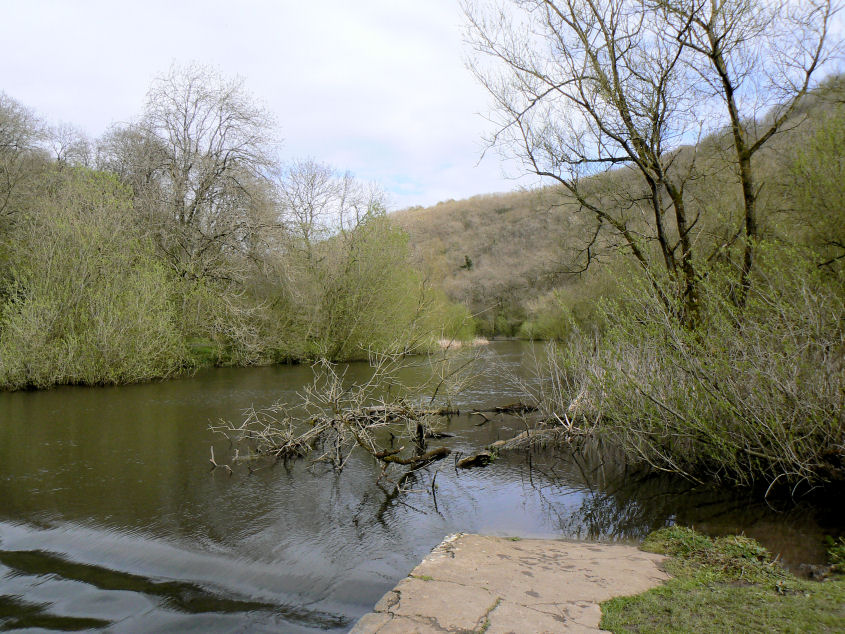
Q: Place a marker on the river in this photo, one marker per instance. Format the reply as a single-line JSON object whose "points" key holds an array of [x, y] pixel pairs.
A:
{"points": [[111, 517]]}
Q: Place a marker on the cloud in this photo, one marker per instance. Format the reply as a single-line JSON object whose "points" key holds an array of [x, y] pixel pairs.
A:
{"points": [[376, 87]]}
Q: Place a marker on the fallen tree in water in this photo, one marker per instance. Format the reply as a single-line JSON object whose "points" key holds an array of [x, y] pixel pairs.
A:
{"points": [[379, 416], [384, 418]]}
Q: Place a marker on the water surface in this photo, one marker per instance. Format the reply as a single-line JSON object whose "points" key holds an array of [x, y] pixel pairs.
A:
{"points": [[110, 516]]}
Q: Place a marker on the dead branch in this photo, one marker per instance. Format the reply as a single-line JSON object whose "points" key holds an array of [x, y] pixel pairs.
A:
{"points": [[214, 464], [418, 461]]}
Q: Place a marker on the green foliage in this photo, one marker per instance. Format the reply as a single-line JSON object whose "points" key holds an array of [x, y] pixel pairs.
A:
{"points": [[574, 307], [727, 584], [676, 540], [232, 325], [551, 319], [836, 553], [87, 298], [523, 255], [752, 396], [817, 175], [449, 319], [732, 557], [88, 302], [363, 294]]}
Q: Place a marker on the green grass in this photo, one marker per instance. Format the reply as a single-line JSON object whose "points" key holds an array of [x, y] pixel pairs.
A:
{"points": [[204, 353], [729, 584], [836, 553]]}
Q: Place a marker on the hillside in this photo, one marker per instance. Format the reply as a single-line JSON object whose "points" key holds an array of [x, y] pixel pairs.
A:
{"points": [[513, 257], [495, 252]]}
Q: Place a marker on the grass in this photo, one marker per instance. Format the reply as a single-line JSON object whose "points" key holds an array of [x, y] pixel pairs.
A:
{"points": [[728, 584], [204, 353], [836, 553]]}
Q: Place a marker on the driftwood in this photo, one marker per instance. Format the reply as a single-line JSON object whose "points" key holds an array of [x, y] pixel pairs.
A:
{"points": [[214, 464], [335, 418], [481, 459], [514, 408], [543, 435], [419, 461]]}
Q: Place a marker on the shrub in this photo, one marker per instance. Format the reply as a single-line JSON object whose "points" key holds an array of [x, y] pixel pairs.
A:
{"points": [[752, 396], [360, 293], [88, 302]]}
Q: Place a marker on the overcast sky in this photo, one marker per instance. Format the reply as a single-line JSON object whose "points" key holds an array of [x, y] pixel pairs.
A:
{"points": [[377, 87]]}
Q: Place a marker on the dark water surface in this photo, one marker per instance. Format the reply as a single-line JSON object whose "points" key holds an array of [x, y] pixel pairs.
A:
{"points": [[110, 517]]}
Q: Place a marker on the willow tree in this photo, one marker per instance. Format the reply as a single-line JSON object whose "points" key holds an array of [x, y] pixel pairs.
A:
{"points": [[619, 87], [348, 266]]}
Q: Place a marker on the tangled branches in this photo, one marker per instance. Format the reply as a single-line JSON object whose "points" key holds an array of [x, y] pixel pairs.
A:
{"points": [[335, 416]]}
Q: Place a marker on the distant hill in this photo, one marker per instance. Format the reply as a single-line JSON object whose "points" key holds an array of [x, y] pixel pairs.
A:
{"points": [[496, 253]]}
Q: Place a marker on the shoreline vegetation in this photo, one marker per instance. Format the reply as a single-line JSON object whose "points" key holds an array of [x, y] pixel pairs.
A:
{"points": [[180, 241]]}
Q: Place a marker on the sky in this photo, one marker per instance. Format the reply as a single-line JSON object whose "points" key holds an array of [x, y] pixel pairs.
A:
{"points": [[376, 87]]}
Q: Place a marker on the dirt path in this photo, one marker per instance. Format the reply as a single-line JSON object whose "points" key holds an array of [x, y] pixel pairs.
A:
{"points": [[471, 583]]}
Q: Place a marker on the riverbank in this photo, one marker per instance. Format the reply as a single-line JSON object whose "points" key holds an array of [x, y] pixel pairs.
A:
{"points": [[730, 584], [494, 584], [472, 583]]}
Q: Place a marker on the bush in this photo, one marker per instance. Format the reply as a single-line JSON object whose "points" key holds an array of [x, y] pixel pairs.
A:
{"points": [[359, 293], [836, 554], [752, 396], [728, 584], [88, 303], [551, 319], [815, 179]]}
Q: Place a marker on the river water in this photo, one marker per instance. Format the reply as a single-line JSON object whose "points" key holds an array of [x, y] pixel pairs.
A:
{"points": [[110, 516]]}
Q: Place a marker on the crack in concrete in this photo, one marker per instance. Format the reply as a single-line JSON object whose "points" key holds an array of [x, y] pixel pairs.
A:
{"points": [[484, 621], [432, 622]]}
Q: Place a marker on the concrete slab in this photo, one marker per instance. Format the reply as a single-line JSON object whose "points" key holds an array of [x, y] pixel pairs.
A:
{"points": [[473, 583]]}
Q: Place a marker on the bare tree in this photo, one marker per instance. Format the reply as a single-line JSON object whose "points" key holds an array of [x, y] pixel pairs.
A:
{"points": [[21, 134], [199, 161], [316, 201], [347, 265], [69, 145], [583, 87], [759, 59]]}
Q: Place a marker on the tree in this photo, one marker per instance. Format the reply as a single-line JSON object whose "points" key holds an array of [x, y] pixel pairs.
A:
{"points": [[347, 266], [583, 87], [21, 134], [89, 302], [817, 173], [69, 146], [22, 162], [316, 201], [759, 60], [199, 162]]}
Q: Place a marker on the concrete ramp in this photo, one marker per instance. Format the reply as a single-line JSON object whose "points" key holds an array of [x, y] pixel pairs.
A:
{"points": [[472, 583]]}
